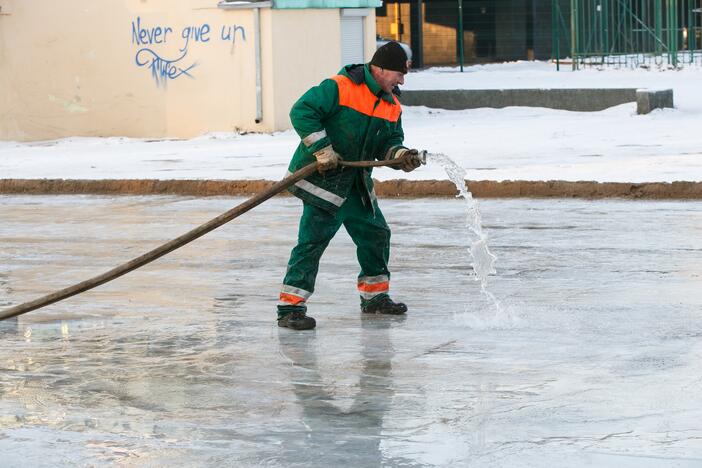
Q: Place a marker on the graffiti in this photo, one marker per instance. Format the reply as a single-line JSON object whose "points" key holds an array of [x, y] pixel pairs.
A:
{"points": [[148, 36], [196, 33], [229, 33], [162, 69]]}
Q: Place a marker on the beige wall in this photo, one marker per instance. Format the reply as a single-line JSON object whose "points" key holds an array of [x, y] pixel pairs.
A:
{"points": [[299, 58], [69, 68], [307, 49]]}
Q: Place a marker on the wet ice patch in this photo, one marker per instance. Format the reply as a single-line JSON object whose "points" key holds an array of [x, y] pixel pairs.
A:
{"points": [[505, 317]]}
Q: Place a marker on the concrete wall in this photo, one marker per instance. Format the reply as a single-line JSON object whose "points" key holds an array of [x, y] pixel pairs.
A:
{"points": [[440, 45], [156, 68], [583, 100]]}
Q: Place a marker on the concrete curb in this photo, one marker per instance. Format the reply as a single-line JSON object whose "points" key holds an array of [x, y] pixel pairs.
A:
{"points": [[392, 188], [570, 99], [648, 100]]}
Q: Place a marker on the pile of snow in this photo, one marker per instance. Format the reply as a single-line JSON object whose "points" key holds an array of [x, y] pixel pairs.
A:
{"points": [[516, 143]]}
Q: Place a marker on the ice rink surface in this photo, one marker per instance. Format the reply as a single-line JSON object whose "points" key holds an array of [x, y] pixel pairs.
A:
{"points": [[593, 359]]}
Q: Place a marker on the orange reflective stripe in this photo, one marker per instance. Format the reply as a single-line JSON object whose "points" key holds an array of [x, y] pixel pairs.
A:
{"points": [[378, 287], [359, 98], [291, 299]]}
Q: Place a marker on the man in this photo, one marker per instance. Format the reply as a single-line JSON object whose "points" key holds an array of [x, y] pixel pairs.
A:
{"points": [[353, 116]]}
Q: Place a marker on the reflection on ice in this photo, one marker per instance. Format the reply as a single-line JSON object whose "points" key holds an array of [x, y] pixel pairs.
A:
{"points": [[346, 431]]}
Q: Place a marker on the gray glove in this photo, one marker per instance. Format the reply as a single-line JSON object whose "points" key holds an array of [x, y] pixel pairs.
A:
{"points": [[411, 159], [327, 159]]}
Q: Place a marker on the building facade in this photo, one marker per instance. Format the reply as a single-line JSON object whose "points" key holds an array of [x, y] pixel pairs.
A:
{"points": [[168, 68], [493, 30]]}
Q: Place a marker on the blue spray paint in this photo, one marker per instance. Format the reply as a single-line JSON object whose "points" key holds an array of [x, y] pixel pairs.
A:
{"points": [[162, 69], [196, 33], [229, 33], [148, 36]]}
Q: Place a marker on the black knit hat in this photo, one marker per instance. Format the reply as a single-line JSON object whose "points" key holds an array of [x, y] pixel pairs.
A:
{"points": [[390, 56]]}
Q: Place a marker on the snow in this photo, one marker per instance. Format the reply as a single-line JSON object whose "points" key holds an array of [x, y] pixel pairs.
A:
{"points": [[516, 143]]}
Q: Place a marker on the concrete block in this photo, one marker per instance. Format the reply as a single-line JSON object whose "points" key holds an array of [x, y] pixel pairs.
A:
{"points": [[648, 100], [581, 100]]}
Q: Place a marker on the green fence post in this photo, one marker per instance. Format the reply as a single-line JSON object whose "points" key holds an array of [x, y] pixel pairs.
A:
{"points": [[605, 28], [460, 33], [574, 33], [658, 23], [672, 32], [555, 33], [691, 32]]}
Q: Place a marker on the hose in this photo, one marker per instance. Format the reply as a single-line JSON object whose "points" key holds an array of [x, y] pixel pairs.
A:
{"points": [[178, 242]]}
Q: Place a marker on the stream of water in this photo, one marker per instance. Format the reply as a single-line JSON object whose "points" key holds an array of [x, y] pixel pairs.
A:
{"points": [[482, 260]]}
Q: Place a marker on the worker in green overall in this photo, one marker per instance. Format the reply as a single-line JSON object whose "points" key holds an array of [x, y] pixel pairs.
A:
{"points": [[353, 116]]}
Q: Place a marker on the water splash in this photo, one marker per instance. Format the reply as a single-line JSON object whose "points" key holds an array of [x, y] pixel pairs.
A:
{"points": [[483, 261]]}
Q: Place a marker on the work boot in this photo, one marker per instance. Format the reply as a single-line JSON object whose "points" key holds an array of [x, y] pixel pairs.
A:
{"points": [[383, 305], [297, 320]]}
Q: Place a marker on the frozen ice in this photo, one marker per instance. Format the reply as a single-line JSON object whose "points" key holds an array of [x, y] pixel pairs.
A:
{"points": [[181, 362]]}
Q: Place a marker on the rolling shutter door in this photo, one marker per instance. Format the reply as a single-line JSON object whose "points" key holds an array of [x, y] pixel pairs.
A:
{"points": [[351, 40]]}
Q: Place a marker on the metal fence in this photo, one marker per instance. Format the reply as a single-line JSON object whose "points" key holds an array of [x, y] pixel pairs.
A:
{"points": [[630, 33]]}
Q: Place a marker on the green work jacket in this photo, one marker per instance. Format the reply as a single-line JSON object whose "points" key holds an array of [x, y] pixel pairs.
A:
{"points": [[362, 123]]}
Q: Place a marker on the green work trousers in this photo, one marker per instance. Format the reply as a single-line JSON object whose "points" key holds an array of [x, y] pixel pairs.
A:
{"points": [[368, 230]]}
